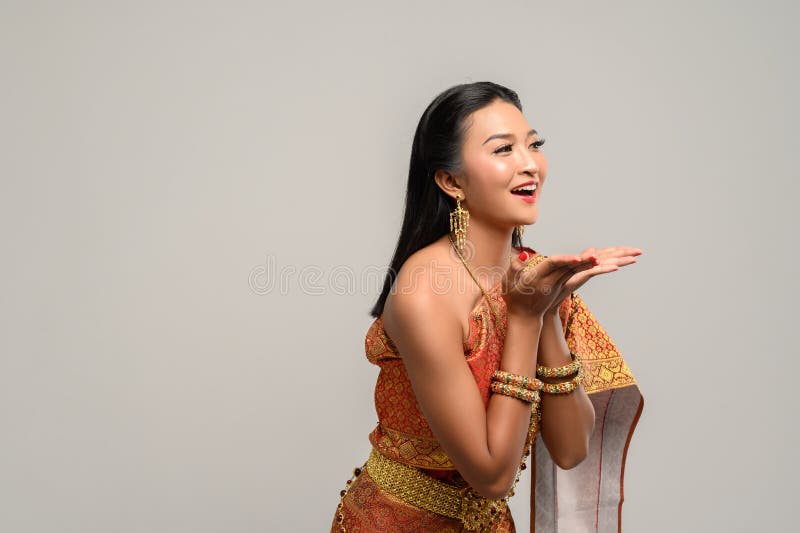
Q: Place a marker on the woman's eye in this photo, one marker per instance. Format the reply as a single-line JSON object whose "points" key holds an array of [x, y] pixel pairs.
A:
{"points": [[507, 147]]}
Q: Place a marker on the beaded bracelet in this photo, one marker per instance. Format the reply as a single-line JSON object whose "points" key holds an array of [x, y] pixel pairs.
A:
{"points": [[519, 380], [533, 262], [530, 396], [560, 371], [565, 387]]}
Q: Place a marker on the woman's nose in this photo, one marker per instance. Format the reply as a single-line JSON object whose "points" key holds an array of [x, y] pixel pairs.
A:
{"points": [[529, 163]]}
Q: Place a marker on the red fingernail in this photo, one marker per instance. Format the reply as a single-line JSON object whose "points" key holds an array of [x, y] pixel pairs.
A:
{"points": [[523, 256]]}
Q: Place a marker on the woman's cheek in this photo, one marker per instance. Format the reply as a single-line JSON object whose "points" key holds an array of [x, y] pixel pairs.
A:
{"points": [[542, 164], [500, 168]]}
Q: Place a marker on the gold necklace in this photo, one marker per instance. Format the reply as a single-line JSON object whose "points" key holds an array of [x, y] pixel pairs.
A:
{"points": [[495, 312]]}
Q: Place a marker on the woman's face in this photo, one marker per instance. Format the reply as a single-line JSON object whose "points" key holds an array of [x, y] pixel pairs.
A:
{"points": [[499, 155]]}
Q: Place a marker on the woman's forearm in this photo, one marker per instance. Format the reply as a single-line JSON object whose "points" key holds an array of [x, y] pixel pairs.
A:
{"points": [[507, 418], [567, 419]]}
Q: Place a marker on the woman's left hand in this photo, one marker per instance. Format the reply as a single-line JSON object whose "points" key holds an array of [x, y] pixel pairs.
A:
{"points": [[606, 260]]}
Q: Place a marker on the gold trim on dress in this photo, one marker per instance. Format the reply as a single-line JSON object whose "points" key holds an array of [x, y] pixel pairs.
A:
{"points": [[413, 450], [425, 492]]}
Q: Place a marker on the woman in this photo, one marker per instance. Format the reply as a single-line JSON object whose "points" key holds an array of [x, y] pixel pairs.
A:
{"points": [[484, 345]]}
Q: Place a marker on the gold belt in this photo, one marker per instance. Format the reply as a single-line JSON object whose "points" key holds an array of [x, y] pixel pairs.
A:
{"points": [[421, 490]]}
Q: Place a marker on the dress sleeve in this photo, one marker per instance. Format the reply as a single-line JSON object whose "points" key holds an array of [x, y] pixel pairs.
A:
{"points": [[603, 365]]}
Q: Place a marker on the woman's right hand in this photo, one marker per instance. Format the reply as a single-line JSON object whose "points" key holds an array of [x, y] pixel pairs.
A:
{"points": [[532, 291]]}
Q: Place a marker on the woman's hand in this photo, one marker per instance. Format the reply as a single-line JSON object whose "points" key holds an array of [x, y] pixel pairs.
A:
{"points": [[604, 260], [532, 291]]}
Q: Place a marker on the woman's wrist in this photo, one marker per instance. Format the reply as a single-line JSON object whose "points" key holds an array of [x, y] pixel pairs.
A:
{"points": [[526, 319], [553, 349], [521, 344], [551, 313]]}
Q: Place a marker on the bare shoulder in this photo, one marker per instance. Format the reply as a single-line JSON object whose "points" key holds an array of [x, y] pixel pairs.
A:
{"points": [[426, 273], [421, 297]]}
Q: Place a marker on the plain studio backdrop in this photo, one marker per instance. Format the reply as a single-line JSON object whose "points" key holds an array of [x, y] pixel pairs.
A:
{"points": [[199, 201]]}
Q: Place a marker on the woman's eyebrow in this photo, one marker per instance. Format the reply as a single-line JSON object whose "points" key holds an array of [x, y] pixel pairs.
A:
{"points": [[507, 135]]}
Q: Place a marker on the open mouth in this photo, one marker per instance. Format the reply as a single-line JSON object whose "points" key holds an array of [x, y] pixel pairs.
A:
{"points": [[526, 190]]}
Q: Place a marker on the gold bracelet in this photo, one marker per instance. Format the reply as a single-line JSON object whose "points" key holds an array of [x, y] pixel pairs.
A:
{"points": [[565, 387], [533, 262], [520, 380], [526, 395], [560, 371]]}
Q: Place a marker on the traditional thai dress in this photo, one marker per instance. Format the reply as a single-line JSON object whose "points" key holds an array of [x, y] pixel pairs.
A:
{"points": [[587, 497]]}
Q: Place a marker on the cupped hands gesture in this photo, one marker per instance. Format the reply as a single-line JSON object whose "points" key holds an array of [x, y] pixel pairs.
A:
{"points": [[540, 289]]}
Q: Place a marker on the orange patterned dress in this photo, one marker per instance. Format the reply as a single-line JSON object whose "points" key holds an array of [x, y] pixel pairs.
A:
{"points": [[585, 498]]}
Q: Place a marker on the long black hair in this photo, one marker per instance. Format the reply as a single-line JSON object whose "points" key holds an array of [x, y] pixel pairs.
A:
{"points": [[437, 145]]}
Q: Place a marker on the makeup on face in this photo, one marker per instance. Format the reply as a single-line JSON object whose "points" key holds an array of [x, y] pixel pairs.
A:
{"points": [[526, 192]]}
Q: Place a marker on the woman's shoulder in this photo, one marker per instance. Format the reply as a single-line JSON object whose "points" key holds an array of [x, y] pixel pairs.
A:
{"points": [[422, 278], [422, 283]]}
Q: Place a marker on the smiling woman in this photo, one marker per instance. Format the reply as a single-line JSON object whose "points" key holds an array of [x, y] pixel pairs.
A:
{"points": [[473, 381]]}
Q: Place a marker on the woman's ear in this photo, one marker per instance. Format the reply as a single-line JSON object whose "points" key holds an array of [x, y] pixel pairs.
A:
{"points": [[448, 183]]}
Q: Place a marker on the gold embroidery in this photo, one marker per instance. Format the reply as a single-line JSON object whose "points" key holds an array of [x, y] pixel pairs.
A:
{"points": [[475, 512], [603, 365], [412, 450]]}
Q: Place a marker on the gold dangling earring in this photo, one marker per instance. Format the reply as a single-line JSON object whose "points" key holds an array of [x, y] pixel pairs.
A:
{"points": [[459, 220], [520, 230]]}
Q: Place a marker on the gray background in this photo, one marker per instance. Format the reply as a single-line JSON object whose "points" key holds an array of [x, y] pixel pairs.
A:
{"points": [[164, 162]]}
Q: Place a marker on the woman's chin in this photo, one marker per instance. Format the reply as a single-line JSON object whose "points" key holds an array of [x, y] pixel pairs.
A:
{"points": [[531, 219]]}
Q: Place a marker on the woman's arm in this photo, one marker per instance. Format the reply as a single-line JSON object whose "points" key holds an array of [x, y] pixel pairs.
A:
{"points": [[485, 444], [567, 419]]}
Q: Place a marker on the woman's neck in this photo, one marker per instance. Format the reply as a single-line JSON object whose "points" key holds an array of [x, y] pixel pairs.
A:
{"points": [[486, 251]]}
